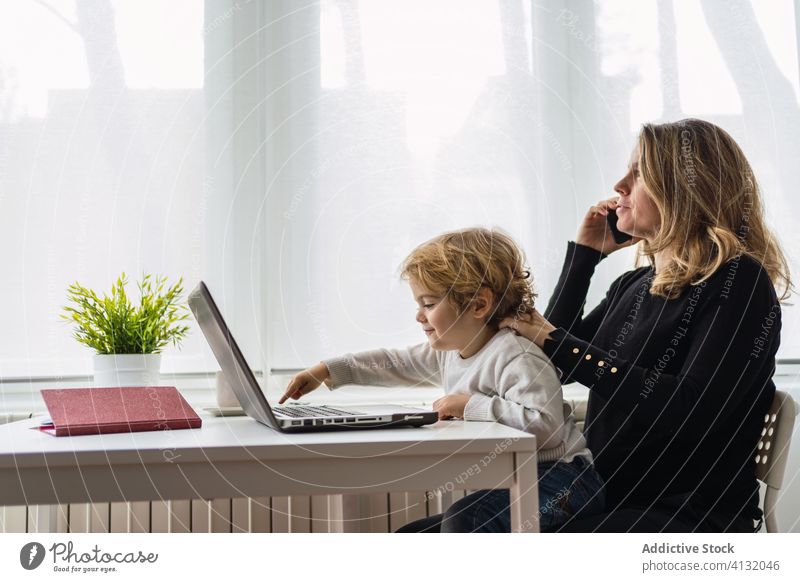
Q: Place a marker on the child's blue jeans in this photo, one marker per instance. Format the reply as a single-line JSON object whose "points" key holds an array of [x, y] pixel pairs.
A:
{"points": [[564, 488]]}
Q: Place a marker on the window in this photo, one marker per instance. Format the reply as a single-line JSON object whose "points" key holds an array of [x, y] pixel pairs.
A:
{"points": [[735, 65], [292, 153], [413, 119], [392, 122], [101, 163]]}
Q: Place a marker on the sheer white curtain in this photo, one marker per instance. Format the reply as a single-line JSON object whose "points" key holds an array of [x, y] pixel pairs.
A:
{"points": [[101, 164], [389, 122], [732, 63], [393, 122]]}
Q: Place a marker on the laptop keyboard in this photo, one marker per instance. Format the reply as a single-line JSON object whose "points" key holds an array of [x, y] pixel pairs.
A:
{"points": [[305, 411]]}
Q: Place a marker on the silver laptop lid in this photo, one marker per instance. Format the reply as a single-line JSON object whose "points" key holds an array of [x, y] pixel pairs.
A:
{"points": [[229, 357]]}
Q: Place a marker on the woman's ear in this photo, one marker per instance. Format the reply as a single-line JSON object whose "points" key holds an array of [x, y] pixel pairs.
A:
{"points": [[482, 304]]}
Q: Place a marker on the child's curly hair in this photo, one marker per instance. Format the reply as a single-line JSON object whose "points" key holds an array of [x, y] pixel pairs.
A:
{"points": [[457, 264]]}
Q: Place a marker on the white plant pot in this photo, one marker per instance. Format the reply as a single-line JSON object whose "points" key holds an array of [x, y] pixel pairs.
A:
{"points": [[127, 369]]}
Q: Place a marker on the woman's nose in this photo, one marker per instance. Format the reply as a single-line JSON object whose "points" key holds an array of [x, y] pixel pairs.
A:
{"points": [[621, 188], [420, 317]]}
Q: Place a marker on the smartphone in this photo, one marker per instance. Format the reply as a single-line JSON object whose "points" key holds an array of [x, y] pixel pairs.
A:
{"points": [[619, 236]]}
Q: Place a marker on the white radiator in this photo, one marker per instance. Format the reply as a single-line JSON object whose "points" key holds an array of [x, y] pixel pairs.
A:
{"points": [[322, 513]]}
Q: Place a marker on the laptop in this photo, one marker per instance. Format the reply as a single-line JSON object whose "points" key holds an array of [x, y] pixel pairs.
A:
{"points": [[292, 418]]}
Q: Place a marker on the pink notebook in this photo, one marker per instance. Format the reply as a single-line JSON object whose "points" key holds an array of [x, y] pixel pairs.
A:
{"points": [[80, 411]]}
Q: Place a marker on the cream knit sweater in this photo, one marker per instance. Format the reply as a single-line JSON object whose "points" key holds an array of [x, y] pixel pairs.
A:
{"points": [[510, 380]]}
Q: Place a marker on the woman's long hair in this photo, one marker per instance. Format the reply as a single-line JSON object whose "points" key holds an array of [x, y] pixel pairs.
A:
{"points": [[710, 206]]}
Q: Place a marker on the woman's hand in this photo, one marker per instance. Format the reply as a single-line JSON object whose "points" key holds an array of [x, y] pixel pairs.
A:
{"points": [[451, 406], [305, 382], [594, 231], [530, 325]]}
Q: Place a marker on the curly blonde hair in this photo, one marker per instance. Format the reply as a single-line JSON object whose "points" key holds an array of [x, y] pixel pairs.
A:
{"points": [[457, 264], [710, 205]]}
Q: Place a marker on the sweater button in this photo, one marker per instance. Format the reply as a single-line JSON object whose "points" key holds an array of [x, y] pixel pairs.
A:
{"points": [[600, 363], [588, 356], [613, 370], [575, 350]]}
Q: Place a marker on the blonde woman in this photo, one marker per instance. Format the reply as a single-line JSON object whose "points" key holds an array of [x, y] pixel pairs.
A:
{"points": [[464, 283], [680, 354]]}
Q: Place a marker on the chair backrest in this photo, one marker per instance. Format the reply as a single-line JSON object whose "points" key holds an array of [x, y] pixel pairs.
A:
{"points": [[776, 435], [772, 453]]}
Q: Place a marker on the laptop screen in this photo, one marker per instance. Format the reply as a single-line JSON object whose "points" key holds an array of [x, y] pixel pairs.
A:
{"points": [[237, 373]]}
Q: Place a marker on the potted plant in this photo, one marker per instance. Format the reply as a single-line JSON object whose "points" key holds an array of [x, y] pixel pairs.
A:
{"points": [[128, 339]]}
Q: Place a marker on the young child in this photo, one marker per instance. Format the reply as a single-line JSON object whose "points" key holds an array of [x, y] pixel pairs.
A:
{"points": [[465, 283]]}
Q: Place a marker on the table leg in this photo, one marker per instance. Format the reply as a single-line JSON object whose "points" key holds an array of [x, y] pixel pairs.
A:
{"points": [[524, 494]]}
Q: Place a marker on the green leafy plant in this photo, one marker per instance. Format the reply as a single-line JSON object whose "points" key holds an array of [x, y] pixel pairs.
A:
{"points": [[112, 325]]}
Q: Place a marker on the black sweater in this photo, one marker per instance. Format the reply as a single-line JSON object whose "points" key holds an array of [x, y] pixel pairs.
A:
{"points": [[678, 388]]}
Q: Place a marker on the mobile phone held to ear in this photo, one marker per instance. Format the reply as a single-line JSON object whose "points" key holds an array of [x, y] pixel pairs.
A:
{"points": [[619, 236]]}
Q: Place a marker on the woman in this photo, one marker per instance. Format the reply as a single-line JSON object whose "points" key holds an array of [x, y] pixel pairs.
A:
{"points": [[679, 355]]}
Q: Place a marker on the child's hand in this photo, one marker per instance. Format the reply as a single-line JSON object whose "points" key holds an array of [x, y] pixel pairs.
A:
{"points": [[305, 382], [451, 406]]}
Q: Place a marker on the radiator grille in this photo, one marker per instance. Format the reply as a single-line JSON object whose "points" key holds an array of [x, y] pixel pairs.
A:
{"points": [[322, 513]]}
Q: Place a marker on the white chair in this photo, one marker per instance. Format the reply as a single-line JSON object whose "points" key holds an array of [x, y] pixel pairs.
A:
{"points": [[773, 450]]}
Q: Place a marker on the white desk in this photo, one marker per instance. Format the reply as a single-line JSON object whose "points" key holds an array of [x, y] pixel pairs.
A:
{"points": [[238, 457]]}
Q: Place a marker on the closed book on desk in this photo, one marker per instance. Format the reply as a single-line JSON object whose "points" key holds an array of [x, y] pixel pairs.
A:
{"points": [[81, 411]]}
